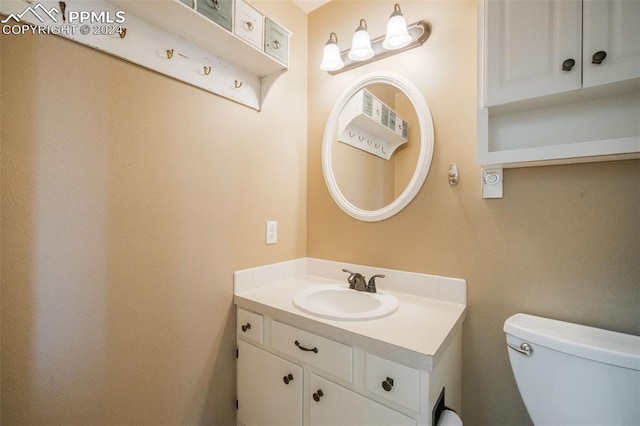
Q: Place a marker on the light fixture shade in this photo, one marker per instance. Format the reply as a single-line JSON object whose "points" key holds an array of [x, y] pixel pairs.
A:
{"points": [[331, 60], [361, 44], [397, 34]]}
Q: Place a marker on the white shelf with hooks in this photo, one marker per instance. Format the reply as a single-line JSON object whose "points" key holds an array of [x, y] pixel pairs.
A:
{"points": [[168, 37]]}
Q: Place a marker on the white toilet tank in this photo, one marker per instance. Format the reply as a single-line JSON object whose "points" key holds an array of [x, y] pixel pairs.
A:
{"points": [[574, 374]]}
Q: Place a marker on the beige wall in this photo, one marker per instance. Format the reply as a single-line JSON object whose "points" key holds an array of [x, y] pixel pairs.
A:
{"points": [[564, 241], [128, 200]]}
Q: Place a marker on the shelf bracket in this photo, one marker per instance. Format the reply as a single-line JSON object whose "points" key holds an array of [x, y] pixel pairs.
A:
{"points": [[492, 183]]}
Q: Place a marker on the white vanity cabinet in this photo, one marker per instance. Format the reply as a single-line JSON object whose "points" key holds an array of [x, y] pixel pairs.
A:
{"points": [[289, 375], [559, 81]]}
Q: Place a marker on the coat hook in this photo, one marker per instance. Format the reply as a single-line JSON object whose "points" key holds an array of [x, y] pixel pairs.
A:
{"points": [[63, 7], [237, 84], [123, 33], [169, 53], [207, 70], [454, 176]]}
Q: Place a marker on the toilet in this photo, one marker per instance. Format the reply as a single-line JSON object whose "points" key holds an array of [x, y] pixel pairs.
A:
{"points": [[570, 374]]}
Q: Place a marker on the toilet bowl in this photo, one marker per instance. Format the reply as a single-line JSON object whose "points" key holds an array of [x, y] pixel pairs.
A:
{"points": [[570, 374]]}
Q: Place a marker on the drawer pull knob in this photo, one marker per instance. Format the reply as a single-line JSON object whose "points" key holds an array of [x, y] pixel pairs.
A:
{"points": [[288, 378], [276, 44], [568, 64], [248, 25], [246, 327], [387, 384], [317, 395], [598, 57], [302, 348]]}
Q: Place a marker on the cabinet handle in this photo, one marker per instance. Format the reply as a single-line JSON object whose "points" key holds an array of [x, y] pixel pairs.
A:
{"points": [[302, 348], [216, 4], [568, 64], [317, 395], [598, 57], [288, 378], [387, 384], [246, 327], [248, 25], [276, 44]]}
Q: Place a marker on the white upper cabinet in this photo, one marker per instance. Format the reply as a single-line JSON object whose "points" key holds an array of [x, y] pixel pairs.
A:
{"points": [[612, 30], [538, 48], [559, 81], [527, 43]]}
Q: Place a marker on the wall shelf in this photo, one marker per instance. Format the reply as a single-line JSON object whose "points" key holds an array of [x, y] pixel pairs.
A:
{"points": [[203, 54]]}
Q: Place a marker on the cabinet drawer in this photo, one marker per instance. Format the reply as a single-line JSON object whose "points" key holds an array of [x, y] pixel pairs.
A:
{"points": [[276, 41], [393, 381], [219, 11], [327, 355], [248, 24], [249, 325]]}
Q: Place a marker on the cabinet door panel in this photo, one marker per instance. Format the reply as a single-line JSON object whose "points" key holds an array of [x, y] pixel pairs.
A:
{"points": [[611, 26], [339, 406], [263, 396], [526, 45]]}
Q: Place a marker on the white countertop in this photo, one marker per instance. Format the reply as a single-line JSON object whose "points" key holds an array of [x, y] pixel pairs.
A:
{"points": [[421, 325]]}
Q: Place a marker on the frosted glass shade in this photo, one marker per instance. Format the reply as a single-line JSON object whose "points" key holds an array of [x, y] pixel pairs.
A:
{"points": [[331, 60], [361, 46], [397, 34]]}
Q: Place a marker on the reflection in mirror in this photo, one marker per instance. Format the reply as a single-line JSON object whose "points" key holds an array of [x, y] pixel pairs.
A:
{"points": [[367, 175], [377, 146]]}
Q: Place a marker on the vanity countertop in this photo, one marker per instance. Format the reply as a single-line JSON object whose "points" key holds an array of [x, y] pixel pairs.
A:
{"points": [[417, 331]]}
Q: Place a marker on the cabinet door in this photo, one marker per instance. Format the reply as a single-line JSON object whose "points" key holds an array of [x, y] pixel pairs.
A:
{"points": [[334, 405], [269, 388], [612, 27], [526, 44]]}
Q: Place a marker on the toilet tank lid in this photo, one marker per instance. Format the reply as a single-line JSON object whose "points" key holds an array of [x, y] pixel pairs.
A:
{"points": [[605, 346]]}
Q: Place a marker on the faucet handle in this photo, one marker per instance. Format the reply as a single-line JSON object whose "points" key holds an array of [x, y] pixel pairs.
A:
{"points": [[371, 286], [351, 279]]}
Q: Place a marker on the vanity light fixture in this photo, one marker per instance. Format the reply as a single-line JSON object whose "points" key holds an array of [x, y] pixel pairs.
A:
{"points": [[398, 38], [331, 60], [361, 45]]}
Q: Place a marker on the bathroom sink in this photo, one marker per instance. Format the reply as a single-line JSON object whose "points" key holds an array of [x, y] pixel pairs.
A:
{"points": [[338, 301]]}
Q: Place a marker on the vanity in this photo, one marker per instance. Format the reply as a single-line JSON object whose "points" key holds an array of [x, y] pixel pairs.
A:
{"points": [[296, 367]]}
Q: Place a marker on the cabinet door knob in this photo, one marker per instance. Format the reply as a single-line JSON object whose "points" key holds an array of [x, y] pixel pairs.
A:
{"points": [[568, 64], [246, 327], [288, 378], [598, 57], [387, 384], [317, 395]]}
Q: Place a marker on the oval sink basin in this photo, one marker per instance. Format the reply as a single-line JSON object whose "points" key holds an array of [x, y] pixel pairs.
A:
{"points": [[338, 301]]}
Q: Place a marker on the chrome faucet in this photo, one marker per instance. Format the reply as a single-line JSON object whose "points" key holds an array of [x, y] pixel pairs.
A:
{"points": [[358, 282]]}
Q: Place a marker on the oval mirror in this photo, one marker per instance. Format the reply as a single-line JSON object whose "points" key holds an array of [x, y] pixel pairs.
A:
{"points": [[377, 146]]}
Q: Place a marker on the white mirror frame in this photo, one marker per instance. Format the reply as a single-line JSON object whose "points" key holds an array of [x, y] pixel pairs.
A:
{"points": [[424, 156]]}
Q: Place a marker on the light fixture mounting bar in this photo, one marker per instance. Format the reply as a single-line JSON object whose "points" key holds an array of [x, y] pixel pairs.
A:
{"points": [[419, 32]]}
